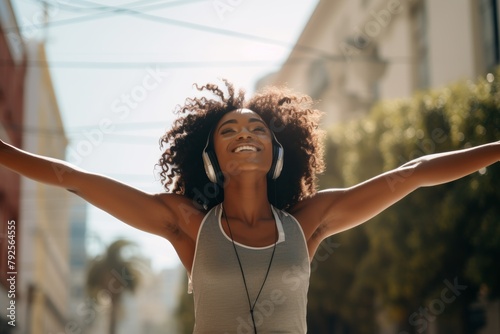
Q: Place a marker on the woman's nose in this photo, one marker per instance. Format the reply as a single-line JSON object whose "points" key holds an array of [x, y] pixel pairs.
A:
{"points": [[245, 133]]}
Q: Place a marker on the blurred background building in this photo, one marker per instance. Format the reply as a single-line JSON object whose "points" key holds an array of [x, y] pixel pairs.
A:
{"points": [[353, 53], [30, 119], [78, 258], [44, 249], [12, 73]]}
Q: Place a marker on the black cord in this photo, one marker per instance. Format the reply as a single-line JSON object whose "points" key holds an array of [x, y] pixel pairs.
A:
{"points": [[252, 307]]}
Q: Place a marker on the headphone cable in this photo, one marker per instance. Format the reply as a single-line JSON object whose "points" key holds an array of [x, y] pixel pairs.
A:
{"points": [[252, 307]]}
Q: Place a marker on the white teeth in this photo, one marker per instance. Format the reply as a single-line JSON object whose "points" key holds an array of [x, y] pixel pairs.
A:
{"points": [[245, 148]]}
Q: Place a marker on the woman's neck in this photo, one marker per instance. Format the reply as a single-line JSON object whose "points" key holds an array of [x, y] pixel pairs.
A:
{"points": [[246, 199]]}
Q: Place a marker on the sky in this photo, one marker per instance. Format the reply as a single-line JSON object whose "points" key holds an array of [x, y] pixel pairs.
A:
{"points": [[119, 68]]}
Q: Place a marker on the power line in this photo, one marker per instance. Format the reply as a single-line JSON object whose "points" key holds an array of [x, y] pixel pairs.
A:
{"points": [[188, 25], [132, 12], [106, 11], [136, 125], [221, 31], [123, 126], [135, 4], [71, 130], [199, 64], [142, 64]]}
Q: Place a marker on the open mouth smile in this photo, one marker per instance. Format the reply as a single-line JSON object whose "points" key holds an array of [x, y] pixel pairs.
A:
{"points": [[246, 148]]}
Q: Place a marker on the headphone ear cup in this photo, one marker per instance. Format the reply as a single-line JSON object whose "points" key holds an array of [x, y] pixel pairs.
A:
{"points": [[209, 168], [279, 161], [277, 164], [210, 162]]}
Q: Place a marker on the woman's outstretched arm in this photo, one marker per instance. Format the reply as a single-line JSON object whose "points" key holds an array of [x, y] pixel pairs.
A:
{"points": [[147, 212], [341, 209]]}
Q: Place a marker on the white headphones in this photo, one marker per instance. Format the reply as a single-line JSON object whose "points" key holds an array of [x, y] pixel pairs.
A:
{"points": [[214, 173]]}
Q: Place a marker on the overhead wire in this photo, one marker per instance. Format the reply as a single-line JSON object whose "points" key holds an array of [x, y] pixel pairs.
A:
{"points": [[186, 64], [189, 25], [73, 6], [75, 137], [112, 65], [215, 30], [124, 126], [134, 4], [141, 65]]}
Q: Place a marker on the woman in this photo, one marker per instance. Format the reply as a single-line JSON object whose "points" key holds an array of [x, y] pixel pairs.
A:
{"points": [[247, 220]]}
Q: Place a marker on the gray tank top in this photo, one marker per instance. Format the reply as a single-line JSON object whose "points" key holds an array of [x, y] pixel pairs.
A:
{"points": [[220, 300]]}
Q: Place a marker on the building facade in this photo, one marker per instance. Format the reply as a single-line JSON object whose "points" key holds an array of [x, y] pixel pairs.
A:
{"points": [[353, 53], [12, 72], [44, 210]]}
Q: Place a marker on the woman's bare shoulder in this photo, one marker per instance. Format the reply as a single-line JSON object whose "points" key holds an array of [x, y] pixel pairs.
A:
{"points": [[310, 212], [189, 214]]}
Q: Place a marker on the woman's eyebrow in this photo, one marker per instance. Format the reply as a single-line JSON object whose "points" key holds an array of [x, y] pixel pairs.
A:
{"points": [[256, 120], [229, 121]]}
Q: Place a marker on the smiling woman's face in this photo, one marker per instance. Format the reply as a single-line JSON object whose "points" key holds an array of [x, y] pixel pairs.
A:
{"points": [[242, 142]]}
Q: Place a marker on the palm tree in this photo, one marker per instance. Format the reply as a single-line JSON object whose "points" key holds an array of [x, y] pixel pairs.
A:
{"points": [[110, 275]]}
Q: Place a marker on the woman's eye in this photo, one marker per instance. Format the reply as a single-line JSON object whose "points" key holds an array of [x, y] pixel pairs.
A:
{"points": [[226, 130], [260, 129]]}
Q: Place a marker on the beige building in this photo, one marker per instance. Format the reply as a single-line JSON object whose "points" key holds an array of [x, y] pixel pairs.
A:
{"points": [[353, 53], [44, 261], [12, 72]]}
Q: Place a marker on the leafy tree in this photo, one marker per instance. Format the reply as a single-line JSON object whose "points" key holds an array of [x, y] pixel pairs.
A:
{"points": [[112, 274], [401, 260]]}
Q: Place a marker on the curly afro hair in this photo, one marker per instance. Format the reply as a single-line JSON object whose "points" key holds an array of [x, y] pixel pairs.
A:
{"points": [[289, 115]]}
